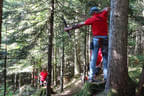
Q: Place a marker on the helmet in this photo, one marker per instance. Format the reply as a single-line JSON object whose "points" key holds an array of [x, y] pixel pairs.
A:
{"points": [[93, 9]]}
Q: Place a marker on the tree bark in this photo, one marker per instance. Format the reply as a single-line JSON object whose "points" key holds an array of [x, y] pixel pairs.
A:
{"points": [[5, 73], [77, 67], [33, 73], [85, 43], [62, 66], [5, 65], [118, 78], [19, 81], [55, 66], [1, 12], [50, 46], [138, 47], [88, 48], [15, 80]]}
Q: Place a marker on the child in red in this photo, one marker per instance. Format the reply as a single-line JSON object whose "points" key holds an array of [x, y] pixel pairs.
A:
{"points": [[43, 76], [99, 61]]}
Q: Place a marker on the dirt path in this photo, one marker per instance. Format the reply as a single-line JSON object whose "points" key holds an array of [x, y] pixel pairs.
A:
{"points": [[75, 86], [70, 88]]}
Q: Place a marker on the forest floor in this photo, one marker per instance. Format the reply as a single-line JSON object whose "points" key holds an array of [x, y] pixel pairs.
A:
{"points": [[73, 87], [70, 89], [78, 88]]}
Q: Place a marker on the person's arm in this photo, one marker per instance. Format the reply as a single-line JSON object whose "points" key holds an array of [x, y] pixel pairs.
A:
{"points": [[105, 11], [74, 26]]}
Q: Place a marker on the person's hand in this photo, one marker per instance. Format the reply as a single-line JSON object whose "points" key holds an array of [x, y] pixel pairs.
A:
{"points": [[67, 28], [107, 8]]}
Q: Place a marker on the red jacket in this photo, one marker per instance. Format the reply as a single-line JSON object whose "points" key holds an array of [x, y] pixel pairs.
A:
{"points": [[98, 23], [43, 76]]}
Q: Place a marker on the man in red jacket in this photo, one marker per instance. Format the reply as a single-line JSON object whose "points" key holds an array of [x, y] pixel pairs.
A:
{"points": [[99, 27]]}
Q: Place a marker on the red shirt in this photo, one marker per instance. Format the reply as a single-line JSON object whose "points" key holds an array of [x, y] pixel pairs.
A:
{"points": [[43, 76], [99, 23]]}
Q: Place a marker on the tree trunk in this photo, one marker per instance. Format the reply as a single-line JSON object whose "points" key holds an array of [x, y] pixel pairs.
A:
{"points": [[117, 82], [50, 46], [142, 40], [53, 71], [32, 78], [1, 12], [33, 74], [5, 73], [88, 48], [15, 81], [85, 43], [138, 47], [62, 63], [76, 63], [19, 81], [55, 66], [5, 64], [62, 67], [142, 31]]}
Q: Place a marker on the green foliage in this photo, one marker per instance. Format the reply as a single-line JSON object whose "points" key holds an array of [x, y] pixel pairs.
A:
{"points": [[40, 92], [25, 22], [131, 43], [134, 73], [26, 90], [135, 67], [136, 60], [9, 91]]}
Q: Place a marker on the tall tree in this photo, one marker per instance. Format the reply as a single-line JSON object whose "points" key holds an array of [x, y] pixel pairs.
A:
{"points": [[77, 67], [1, 6], [118, 71], [62, 65], [5, 65], [138, 47], [5, 71], [50, 46]]}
